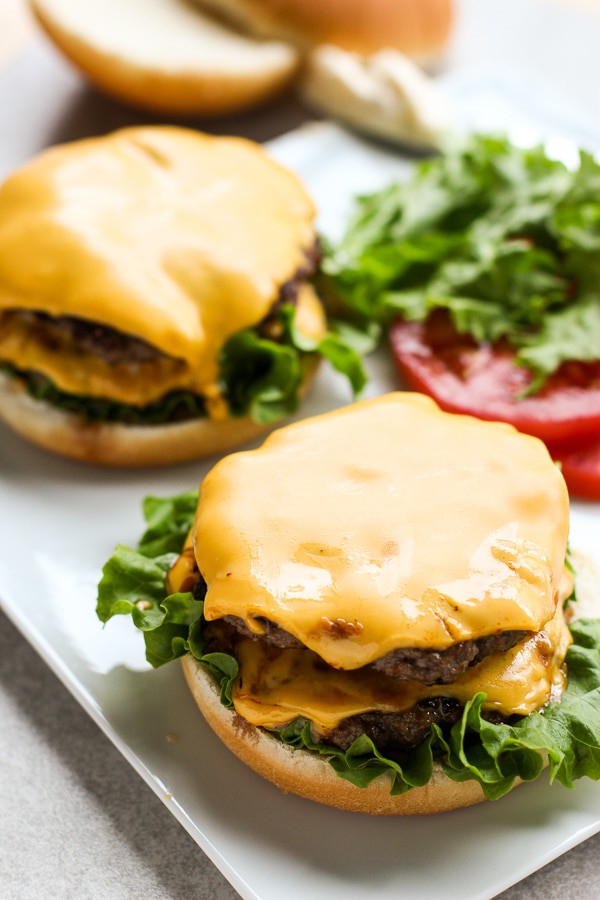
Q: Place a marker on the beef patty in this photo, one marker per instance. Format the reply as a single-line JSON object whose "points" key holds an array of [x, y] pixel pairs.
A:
{"points": [[406, 663], [395, 731], [390, 732]]}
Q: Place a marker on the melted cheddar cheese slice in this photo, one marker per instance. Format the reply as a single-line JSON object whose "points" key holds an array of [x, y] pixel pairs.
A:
{"points": [[275, 687], [385, 524], [175, 237], [69, 368]]}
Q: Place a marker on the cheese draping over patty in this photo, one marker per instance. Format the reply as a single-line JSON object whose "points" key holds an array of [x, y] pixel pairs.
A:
{"points": [[277, 686], [70, 369], [175, 237], [385, 524]]}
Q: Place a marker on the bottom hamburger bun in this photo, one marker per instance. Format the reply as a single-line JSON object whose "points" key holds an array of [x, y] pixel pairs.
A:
{"points": [[165, 56], [300, 772], [115, 444]]}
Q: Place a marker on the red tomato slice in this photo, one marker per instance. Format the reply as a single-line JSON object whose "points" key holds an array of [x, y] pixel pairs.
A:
{"points": [[483, 381], [581, 468]]}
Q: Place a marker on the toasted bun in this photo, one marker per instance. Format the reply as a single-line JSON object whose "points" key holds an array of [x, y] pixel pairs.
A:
{"points": [[165, 56], [109, 444], [303, 773], [419, 28]]}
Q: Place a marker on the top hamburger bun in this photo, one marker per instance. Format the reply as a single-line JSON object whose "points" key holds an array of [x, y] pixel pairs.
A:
{"points": [[165, 56], [418, 28]]}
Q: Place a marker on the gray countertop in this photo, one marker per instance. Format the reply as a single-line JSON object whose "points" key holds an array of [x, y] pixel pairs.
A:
{"points": [[75, 820]]}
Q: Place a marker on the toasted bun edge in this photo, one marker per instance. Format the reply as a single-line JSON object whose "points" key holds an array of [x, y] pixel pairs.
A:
{"points": [[189, 92], [306, 775]]}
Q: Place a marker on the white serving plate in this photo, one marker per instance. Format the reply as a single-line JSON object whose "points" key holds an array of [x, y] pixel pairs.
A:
{"points": [[61, 520]]}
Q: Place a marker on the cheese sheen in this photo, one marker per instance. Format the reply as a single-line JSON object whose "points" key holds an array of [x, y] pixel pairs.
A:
{"points": [[277, 686], [78, 372], [385, 524], [178, 238]]}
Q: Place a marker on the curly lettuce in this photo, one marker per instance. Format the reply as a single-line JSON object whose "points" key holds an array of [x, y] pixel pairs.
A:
{"points": [[505, 239], [565, 735]]}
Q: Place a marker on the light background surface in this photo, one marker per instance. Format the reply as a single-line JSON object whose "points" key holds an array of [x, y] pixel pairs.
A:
{"points": [[75, 820]]}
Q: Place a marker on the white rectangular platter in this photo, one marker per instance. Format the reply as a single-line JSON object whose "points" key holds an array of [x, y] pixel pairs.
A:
{"points": [[60, 521]]}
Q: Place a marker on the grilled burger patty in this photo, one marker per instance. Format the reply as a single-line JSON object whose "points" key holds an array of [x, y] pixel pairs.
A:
{"points": [[400, 731], [389, 731], [107, 343], [406, 663], [396, 731]]}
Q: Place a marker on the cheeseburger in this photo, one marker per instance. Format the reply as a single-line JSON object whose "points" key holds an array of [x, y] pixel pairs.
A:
{"points": [[373, 609], [155, 296]]}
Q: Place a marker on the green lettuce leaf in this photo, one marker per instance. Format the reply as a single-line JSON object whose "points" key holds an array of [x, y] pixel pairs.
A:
{"points": [[168, 520], [565, 734], [262, 378], [362, 762], [342, 348], [134, 584], [505, 239], [224, 669], [570, 333]]}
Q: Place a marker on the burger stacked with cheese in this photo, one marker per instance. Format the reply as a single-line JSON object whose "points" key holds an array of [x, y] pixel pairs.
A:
{"points": [[372, 609], [155, 297]]}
